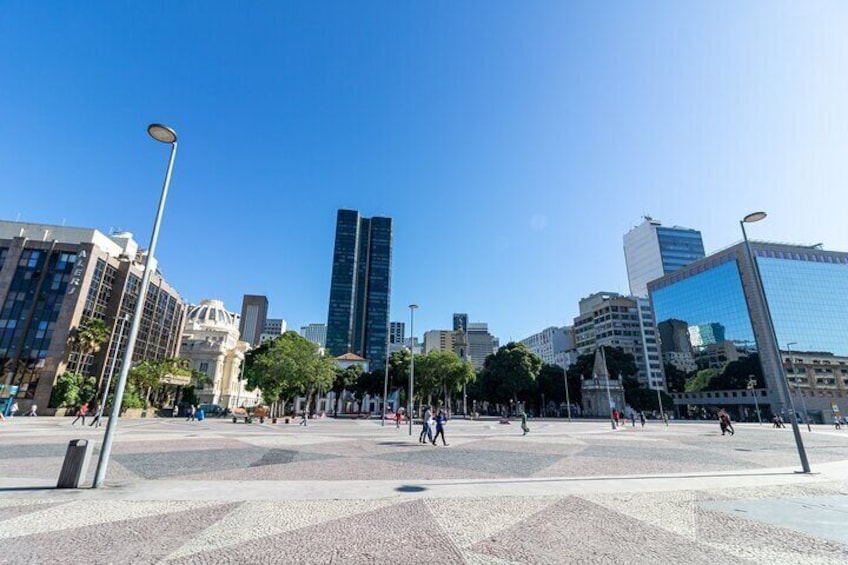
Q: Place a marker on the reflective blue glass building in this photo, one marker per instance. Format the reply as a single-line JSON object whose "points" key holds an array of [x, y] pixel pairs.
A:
{"points": [[807, 293], [360, 288]]}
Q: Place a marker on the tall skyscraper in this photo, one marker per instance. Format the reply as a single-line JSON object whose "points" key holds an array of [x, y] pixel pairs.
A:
{"points": [[652, 251], [316, 333], [397, 332], [360, 288], [254, 312]]}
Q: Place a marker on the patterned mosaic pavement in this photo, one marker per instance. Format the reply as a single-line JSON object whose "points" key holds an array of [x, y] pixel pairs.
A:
{"points": [[354, 492]]}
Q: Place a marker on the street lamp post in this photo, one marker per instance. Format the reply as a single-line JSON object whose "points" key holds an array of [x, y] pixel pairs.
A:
{"points": [[162, 134], [752, 384], [386, 383], [412, 309], [796, 431], [798, 383], [567, 395]]}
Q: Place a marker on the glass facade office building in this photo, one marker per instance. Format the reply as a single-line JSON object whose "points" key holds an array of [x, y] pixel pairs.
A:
{"points": [[360, 288], [652, 250], [807, 293]]}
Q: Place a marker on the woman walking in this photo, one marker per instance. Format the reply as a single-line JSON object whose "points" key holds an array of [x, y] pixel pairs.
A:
{"points": [[440, 428], [83, 410]]}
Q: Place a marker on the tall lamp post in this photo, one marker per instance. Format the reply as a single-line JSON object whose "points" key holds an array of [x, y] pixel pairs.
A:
{"points": [[386, 383], [122, 322], [752, 385], [567, 395], [781, 377], [798, 383], [163, 134], [412, 309]]}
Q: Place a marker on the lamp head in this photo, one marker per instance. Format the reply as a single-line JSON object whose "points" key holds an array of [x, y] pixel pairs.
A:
{"points": [[413, 306], [754, 217], [162, 133]]}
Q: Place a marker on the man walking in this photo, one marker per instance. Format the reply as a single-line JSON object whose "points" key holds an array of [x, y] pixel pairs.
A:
{"points": [[524, 427], [426, 433], [192, 413], [303, 418], [398, 417], [97, 414]]}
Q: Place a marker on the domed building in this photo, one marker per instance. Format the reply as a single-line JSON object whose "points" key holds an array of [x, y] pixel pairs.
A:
{"points": [[212, 346]]}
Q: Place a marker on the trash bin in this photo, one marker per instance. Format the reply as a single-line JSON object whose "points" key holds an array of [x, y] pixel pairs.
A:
{"points": [[75, 466], [200, 415]]}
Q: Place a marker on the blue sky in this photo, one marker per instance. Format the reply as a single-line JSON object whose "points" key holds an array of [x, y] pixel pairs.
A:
{"points": [[513, 143]]}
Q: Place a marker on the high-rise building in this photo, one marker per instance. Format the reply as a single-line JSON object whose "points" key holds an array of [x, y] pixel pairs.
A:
{"points": [[397, 332], [254, 312], [360, 288], [438, 340], [481, 343], [807, 292], [652, 250], [273, 328], [53, 278], [555, 346], [626, 322], [316, 333]]}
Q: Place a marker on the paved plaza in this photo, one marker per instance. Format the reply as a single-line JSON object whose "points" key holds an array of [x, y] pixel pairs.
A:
{"points": [[355, 492]]}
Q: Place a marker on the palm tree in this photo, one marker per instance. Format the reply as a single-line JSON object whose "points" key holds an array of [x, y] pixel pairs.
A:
{"points": [[87, 338]]}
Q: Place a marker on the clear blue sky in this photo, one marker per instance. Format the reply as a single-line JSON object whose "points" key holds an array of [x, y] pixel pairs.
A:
{"points": [[513, 142]]}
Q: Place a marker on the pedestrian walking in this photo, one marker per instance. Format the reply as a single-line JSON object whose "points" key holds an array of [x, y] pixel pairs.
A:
{"points": [[642, 418], [97, 414], [727, 425], [633, 418], [398, 417], [836, 423], [304, 417], [524, 427], [14, 410], [191, 413], [426, 432], [83, 410], [33, 410], [440, 428]]}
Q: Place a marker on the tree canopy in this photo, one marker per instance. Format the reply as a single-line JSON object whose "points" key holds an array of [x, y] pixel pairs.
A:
{"points": [[510, 374], [288, 366]]}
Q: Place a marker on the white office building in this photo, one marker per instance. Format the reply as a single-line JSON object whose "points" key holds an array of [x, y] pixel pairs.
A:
{"points": [[554, 345], [652, 251]]}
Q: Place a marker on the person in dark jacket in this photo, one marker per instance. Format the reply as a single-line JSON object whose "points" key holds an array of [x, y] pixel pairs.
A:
{"points": [[440, 428]]}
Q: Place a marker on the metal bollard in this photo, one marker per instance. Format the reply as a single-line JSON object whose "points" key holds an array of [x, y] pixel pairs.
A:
{"points": [[76, 462]]}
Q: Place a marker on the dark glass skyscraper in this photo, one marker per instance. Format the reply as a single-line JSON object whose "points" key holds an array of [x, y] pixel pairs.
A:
{"points": [[360, 288]]}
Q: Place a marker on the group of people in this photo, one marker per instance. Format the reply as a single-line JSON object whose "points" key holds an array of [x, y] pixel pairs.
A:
{"points": [[14, 409], [83, 411], [429, 423], [617, 418]]}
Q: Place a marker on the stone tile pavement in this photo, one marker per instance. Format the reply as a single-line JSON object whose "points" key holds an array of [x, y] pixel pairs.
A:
{"points": [[353, 492]]}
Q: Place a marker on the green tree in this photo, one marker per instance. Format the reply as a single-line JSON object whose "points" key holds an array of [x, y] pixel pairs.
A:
{"points": [[675, 378], [87, 338], [146, 378], [619, 364], [288, 366], [510, 374], [399, 368], [736, 374], [73, 389], [646, 399], [700, 380]]}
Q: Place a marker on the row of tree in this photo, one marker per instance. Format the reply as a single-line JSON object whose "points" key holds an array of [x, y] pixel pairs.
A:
{"points": [[291, 366], [733, 376]]}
